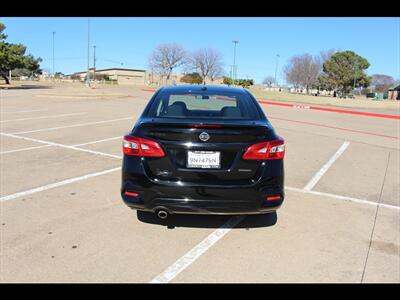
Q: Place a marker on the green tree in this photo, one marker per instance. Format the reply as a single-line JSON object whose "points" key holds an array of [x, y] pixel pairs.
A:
{"points": [[227, 80], [193, 78], [340, 70], [20, 72], [2, 35], [13, 56], [244, 82]]}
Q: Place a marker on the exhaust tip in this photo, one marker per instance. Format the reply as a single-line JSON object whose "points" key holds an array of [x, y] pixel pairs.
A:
{"points": [[162, 214]]}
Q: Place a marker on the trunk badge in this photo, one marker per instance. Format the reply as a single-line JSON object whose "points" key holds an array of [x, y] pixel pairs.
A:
{"points": [[163, 172], [204, 136]]}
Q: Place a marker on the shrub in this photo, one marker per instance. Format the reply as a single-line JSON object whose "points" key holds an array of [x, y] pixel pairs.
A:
{"points": [[192, 78]]}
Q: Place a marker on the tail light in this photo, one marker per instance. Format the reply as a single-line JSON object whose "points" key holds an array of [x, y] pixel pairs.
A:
{"points": [[273, 198], [137, 146], [274, 149], [133, 194]]}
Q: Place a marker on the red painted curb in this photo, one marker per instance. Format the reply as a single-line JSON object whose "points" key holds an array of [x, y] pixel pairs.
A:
{"points": [[342, 111], [338, 128], [148, 90]]}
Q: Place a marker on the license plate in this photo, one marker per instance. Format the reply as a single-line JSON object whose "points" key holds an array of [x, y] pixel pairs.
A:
{"points": [[203, 159]]}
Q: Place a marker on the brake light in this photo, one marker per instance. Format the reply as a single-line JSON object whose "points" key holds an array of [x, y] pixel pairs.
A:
{"points": [[133, 194], [274, 149], [137, 146], [272, 198]]}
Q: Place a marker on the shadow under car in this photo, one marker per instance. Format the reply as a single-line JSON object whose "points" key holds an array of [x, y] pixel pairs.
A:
{"points": [[207, 221]]}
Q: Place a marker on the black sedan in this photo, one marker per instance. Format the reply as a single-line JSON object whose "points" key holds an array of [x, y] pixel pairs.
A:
{"points": [[203, 150]]}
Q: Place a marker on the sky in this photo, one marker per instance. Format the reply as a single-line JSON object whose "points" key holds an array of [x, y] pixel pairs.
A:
{"points": [[128, 42]]}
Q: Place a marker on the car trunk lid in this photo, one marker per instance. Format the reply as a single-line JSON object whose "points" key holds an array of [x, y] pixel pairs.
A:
{"points": [[230, 139]]}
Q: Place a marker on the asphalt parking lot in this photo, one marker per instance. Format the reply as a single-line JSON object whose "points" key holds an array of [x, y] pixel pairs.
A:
{"points": [[62, 219]]}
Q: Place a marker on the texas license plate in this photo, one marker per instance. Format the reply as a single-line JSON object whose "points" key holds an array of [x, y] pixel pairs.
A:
{"points": [[203, 159]]}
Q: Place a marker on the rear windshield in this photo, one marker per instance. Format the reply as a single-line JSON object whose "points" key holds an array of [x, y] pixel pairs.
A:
{"points": [[204, 105]]}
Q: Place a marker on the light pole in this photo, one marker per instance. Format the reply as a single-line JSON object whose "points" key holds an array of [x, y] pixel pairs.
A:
{"points": [[94, 62], [88, 55], [53, 56], [276, 68], [234, 70]]}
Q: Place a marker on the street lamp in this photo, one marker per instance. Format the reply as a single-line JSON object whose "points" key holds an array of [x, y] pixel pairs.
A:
{"points": [[276, 67], [234, 69], [88, 55], [94, 62], [53, 56]]}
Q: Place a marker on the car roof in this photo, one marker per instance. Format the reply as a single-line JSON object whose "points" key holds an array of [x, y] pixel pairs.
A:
{"points": [[199, 87]]}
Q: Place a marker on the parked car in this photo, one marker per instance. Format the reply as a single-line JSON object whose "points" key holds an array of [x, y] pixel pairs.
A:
{"points": [[203, 150]]}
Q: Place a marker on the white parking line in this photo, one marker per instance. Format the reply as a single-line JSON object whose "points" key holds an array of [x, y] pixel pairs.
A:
{"points": [[345, 198], [22, 111], [76, 145], [24, 149], [45, 117], [56, 184], [99, 141], [314, 180], [186, 260], [60, 145], [71, 126]]}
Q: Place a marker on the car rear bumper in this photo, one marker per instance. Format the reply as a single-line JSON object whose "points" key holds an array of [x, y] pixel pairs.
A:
{"points": [[203, 199], [201, 207]]}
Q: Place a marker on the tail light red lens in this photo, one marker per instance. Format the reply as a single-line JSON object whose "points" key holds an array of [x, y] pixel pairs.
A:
{"points": [[272, 198], [274, 149], [133, 194], [137, 146]]}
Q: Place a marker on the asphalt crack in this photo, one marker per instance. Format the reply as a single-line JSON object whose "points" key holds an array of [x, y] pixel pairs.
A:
{"points": [[375, 217]]}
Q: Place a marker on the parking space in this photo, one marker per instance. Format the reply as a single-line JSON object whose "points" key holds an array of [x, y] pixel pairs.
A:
{"points": [[358, 173], [47, 165], [308, 243], [84, 132], [111, 244], [305, 154], [9, 144], [62, 219]]}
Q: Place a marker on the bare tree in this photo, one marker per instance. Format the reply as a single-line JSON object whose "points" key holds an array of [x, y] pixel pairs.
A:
{"points": [[381, 83], [208, 62], [326, 55], [269, 81], [303, 70], [216, 72], [167, 57], [292, 73]]}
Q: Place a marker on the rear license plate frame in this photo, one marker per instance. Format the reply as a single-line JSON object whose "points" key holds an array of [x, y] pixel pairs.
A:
{"points": [[203, 154]]}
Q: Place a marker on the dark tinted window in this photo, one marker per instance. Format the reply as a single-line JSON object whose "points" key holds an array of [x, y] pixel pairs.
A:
{"points": [[204, 105]]}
